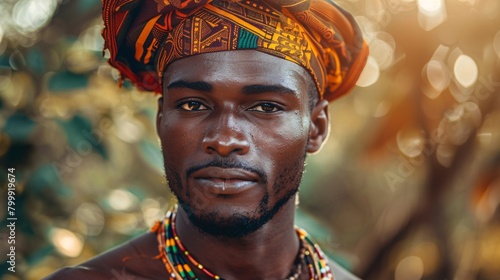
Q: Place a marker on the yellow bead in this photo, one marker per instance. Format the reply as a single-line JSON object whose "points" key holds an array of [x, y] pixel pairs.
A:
{"points": [[200, 266]]}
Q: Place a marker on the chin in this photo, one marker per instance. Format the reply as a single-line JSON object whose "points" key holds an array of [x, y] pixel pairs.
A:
{"points": [[234, 223]]}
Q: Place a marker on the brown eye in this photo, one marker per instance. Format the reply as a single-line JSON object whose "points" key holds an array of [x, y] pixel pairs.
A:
{"points": [[192, 106], [266, 108]]}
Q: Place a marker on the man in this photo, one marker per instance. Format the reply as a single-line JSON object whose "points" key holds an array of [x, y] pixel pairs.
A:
{"points": [[244, 90]]}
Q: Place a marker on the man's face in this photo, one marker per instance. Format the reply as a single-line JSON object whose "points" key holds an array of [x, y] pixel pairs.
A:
{"points": [[234, 130]]}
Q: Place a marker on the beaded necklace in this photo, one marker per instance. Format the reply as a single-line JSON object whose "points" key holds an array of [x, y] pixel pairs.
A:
{"points": [[174, 255]]}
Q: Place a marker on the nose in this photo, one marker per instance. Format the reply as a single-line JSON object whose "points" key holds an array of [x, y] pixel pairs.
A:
{"points": [[225, 136]]}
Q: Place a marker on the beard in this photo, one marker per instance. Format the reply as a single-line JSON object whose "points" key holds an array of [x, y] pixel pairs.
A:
{"points": [[239, 225]]}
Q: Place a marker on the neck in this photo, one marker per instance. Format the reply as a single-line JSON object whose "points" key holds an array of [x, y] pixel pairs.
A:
{"points": [[267, 253]]}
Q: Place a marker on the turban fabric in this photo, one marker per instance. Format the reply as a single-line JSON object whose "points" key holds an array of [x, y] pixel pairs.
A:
{"points": [[145, 36]]}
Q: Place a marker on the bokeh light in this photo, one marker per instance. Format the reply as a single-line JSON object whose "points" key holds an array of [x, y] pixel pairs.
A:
{"points": [[382, 50], [445, 154], [410, 142], [431, 13], [122, 200], [152, 210], [32, 15], [67, 242], [465, 71], [90, 219], [438, 75], [410, 268], [91, 38], [430, 7], [129, 130], [370, 74]]}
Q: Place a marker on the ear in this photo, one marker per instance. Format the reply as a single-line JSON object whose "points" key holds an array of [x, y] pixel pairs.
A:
{"points": [[318, 132], [159, 115]]}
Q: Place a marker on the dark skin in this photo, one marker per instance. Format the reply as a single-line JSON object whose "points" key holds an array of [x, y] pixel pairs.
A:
{"points": [[249, 109]]}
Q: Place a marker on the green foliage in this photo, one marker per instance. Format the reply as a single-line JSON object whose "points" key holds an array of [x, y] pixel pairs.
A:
{"points": [[79, 135], [152, 155], [19, 127], [65, 82]]}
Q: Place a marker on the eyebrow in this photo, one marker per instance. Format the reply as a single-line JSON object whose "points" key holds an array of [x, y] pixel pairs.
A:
{"points": [[247, 90], [256, 89], [198, 85]]}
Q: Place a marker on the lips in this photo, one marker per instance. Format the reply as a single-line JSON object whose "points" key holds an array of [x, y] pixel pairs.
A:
{"points": [[225, 181]]}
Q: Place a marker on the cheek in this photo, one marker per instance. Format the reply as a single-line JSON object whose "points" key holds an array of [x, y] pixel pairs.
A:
{"points": [[177, 140], [283, 141], [178, 145], [283, 151]]}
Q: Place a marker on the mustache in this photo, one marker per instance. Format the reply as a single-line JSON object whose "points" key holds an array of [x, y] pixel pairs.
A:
{"points": [[227, 163]]}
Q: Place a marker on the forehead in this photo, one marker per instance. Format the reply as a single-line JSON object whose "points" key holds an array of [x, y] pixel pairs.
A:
{"points": [[242, 67]]}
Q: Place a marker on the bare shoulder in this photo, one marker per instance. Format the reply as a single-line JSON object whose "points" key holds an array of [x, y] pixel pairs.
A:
{"points": [[136, 259], [85, 273], [77, 273]]}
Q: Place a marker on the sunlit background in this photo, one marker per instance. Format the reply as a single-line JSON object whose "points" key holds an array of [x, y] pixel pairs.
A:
{"points": [[407, 187]]}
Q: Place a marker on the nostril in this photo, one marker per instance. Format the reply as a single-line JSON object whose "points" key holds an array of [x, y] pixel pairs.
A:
{"points": [[224, 136], [210, 150], [225, 147]]}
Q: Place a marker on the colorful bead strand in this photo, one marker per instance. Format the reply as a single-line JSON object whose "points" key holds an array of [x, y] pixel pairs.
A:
{"points": [[174, 255]]}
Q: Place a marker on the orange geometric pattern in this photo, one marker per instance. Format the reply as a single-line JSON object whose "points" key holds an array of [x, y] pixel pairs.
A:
{"points": [[144, 37]]}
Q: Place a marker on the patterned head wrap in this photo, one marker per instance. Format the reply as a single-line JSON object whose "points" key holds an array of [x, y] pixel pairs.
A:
{"points": [[145, 36]]}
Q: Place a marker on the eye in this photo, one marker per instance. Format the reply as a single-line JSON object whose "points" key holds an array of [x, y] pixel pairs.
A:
{"points": [[192, 106], [266, 108]]}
